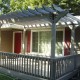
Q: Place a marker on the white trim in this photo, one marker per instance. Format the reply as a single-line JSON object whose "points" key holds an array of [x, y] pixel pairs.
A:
{"points": [[63, 40], [46, 29], [14, 39]]}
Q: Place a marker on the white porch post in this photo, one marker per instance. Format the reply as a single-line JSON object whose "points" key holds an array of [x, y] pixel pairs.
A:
{"points": [[53, 43], [72, 40], [53, 47], [23, 41], [53, 40]]}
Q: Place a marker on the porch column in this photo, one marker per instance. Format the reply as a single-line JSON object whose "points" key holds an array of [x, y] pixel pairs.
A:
{"points": [[54, 20], [72, 40], [53, 40], [23, 41]]}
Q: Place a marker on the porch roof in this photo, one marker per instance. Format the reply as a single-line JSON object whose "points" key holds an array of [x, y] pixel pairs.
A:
{"points": [[39, 17]]}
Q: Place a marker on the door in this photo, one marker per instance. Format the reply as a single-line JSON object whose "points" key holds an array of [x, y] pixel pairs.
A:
{"points": [[17, 42]]}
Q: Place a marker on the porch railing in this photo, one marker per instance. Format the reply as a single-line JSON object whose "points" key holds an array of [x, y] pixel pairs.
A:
{"points": [[40, 66]]}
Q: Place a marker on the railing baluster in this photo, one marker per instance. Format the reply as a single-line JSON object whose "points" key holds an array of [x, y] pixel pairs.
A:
{"points": [[41, 66], [35, 66], [7, 60], [32, 65], [11, 61], [38, 66], [19, 63], [2, 59], [27, 65], [44, 67], [24, 63], [48, 68]]}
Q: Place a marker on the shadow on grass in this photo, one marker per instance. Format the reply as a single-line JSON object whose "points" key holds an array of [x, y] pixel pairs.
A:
{"points": [[6, 77]]}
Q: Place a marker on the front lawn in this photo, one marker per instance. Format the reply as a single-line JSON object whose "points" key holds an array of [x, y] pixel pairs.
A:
{"points": [[5, 77]]}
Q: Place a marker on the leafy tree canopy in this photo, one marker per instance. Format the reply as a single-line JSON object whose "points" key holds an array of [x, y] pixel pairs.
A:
{"points": [[13, 5]]}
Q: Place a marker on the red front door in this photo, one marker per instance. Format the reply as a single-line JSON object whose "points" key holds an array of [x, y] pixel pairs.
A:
{"points": [[17, 42]]}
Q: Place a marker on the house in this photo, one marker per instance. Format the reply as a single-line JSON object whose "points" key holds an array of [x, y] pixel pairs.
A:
{"points": [[30, 32]]}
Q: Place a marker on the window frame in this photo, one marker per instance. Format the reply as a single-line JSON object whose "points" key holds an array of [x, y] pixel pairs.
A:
{"points": [[39, 30]]}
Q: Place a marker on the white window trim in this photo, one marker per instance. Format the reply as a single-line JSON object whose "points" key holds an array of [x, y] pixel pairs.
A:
{"points": [[39, 30]]}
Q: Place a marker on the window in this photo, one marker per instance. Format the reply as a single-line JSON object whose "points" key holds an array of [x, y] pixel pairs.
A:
{"points": [[59, 42], [35, 42], [41, 42]]}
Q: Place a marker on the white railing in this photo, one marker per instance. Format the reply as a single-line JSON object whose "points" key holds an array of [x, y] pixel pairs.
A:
{"points": [[41, 67]]}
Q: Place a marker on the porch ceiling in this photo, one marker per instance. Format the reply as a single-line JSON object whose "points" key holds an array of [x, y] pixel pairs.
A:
{"points": [[39, 17]]}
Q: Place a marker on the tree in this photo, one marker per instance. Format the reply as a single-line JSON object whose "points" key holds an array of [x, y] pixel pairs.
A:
{"points": [[4, 6], [13, 5]]}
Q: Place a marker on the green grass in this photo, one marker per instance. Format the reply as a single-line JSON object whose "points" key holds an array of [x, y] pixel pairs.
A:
{"points": [[5, 77]]}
